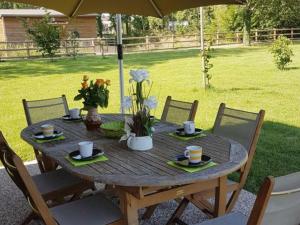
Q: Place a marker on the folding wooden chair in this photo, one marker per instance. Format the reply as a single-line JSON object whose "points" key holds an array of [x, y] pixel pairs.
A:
{"points": [[243, 127], [93, 210], [40, 110], [53, 185], [178, 111], [257, 213]]}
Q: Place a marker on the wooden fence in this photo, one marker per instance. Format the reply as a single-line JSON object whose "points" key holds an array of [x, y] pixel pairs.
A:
{"points": [[105, 46]]}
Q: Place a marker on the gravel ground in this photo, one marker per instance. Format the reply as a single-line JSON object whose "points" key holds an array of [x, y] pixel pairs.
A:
{"points": [[14, 208]]}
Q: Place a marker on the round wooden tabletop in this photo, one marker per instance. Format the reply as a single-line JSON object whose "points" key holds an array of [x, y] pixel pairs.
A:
{"points": [[132, 168]]}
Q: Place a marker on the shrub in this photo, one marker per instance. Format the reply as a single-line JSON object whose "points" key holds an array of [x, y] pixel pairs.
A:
{"points": [[45, 35], [282, 52]]}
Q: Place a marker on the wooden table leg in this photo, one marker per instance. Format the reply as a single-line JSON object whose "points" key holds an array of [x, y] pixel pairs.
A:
{"points": [[221, 197], [129, 207]]}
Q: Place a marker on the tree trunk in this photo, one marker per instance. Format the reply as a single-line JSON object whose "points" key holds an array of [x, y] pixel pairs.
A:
{"points": [[247, 26], [100, 25]]}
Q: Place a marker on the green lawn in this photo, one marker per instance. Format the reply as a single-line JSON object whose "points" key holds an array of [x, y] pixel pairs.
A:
{"points": [[244, 78]]}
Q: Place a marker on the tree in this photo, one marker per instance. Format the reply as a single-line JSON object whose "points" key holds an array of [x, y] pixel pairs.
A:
{"points": [[45, 35], [11, 5], [100, 26]]}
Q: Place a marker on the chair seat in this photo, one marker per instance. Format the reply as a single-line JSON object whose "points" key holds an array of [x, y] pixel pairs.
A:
{"points": [[93, 210], [59, 182], [230, 219]]}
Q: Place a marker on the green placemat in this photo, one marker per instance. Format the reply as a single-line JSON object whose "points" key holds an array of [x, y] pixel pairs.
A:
{"points": [[192, 170], [83, 163], [45, 141], [186, 138]]}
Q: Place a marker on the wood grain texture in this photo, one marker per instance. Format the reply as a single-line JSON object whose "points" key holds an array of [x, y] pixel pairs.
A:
{"points": [[136, 169]]}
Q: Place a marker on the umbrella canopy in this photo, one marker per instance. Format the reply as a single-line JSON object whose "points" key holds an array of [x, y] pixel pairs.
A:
{"points": [[156, 8]]}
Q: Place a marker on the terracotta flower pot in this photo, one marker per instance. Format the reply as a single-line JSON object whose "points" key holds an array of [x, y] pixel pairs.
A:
{"points": [[93, 120]]}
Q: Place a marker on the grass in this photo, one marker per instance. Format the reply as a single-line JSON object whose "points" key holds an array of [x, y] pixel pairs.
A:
{"points": [[244, 78]]}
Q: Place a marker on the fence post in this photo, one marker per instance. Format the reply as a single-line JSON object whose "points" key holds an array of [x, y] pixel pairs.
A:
{"points": [[274, 34], [173, 41], [147, 43], [292, 33], [237, 37], [66, 47], [256, 35], [94, 45], [27, 49], [217, 41]]}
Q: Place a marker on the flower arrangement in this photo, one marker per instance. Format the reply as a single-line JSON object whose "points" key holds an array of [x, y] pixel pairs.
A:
{"points": [[139, 104], [93, 94]]}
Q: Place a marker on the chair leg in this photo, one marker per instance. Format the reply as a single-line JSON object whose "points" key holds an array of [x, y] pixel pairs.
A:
{"points": [[149, 212], [233, 199], [178, 212], [29, 218]]}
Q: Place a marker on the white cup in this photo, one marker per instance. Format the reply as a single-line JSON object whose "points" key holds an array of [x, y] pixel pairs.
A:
{"points": [[194, 154], [86, 148], [74, 113], [189, 127], [48, 130]]}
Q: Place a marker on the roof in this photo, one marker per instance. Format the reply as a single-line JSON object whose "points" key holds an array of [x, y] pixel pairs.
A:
{"points": [[32, 13]]}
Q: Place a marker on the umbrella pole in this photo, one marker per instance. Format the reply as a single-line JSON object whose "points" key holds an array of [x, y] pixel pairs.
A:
{"points": [[120, 58]]}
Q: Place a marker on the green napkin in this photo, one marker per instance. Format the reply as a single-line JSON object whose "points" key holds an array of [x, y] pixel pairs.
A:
{"points": [[83, 163], [186, 138], [191, 169], [45, 141]]}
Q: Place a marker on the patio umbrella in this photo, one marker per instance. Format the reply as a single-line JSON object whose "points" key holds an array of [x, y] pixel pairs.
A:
{"points": [[156, 8]]}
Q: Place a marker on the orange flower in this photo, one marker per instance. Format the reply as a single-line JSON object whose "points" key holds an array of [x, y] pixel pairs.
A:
{"points": [[107, 82], [100, 82], [85, 78], [84, 85]]}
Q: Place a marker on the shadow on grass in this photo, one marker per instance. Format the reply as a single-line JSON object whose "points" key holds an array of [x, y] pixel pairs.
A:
{"points": [[97, 64], [277, 153], [94, 64]]}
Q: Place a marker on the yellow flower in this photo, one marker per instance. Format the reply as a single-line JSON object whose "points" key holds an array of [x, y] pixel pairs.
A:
{"points": [[85, 78], [100, 82], [84, 85], [107, 82]]}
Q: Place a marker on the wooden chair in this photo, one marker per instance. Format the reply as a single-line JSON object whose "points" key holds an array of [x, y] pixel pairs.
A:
{"points": [[256, 215], [93, 210], [40, 110], [53, 185], [177, 111], [243, 127], [284, 204]]}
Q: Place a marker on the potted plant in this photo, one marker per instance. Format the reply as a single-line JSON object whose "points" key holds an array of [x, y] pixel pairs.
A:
{"points": [[93, 95], [139, 127]]}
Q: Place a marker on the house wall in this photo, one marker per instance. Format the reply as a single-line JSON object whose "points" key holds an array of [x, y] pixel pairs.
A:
{"points": [[2, 31], [86, 26]]}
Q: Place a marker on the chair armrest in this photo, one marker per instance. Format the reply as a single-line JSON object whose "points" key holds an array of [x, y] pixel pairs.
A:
{"points": [[285, 192]]}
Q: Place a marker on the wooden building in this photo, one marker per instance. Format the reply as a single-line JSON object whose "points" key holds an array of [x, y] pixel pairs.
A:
{"points": [[11, 27]]}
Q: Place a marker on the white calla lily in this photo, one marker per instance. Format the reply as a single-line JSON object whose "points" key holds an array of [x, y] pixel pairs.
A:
{"points": [[138, 75], [127, 102], [151, 102]]}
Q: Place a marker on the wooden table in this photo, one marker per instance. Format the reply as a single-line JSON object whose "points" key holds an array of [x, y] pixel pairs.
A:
{"points": [[143, 179]]}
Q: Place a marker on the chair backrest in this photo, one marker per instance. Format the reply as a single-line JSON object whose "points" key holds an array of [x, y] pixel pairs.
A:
{"points": [[6, 157], [39, 110], [19, 174], [238, 125], [178, 111], [284, 204], [261, 202], [36, 200]]}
